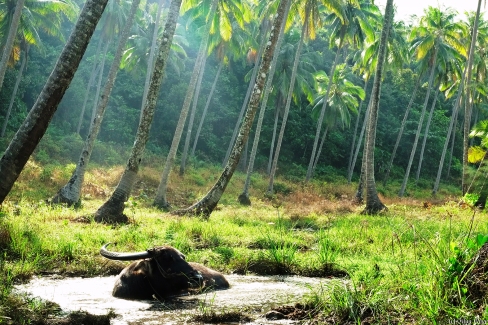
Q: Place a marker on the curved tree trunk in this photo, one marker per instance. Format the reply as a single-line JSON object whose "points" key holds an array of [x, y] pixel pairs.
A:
{"points": [[456, 106], [287, 106], [244, 196], [37, 121], [426, 133], [400, 132], [252, 81], [14, 92], [160, 200], [420, 124], [373, 203], [12, 33], [112, 210], [184, 154], [324, 106], [353, 143], [208, 203], [205, 109], [71, 192]]}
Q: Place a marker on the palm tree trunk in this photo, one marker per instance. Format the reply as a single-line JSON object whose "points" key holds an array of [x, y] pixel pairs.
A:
{"points": [[14, 92], [33, 128], [12, 33], [426, 132], [152, 51], [160, 200], [319, 151], [262, 46], [373, 203], [96, 99], [456, 106], [244, 196], [192, 117], [353, 143], [453, 141], [360, 142], [467, 114], [287, 106], [208, 203], [112, 210], [71, 192], [400, 132], [324, 106], [273, 137], [420, 124], [205, 109]]}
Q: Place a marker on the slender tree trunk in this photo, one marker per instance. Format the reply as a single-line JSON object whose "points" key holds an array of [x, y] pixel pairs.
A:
{"points": [[152, 51], [360, 142], [192, 117], [12, 33], [273, 138], [421, 123], [469, 92], [71, 192], [93, 74], [96, 99], [244, 196], [466, 73], [426, 133], [112, 210], [160, 200], [287, 105], [373, 203], [324, 106], [453, 141], [14, 92], [353, 143], [400, 132], [205, 109], [208, 203], [319, 151], [246, 99], [33, 128]]}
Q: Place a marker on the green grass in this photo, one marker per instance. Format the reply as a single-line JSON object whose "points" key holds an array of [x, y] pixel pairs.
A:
{"points": [[399, 263]]}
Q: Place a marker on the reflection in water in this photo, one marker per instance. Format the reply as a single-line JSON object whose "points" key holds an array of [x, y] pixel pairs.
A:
{"points": [[253, 294]]}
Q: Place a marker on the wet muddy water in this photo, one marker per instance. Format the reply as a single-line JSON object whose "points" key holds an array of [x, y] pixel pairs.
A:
{"points": [[254, 295]]}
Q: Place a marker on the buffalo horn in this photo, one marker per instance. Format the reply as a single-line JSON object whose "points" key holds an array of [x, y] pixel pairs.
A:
{"points": [[123, 256]]}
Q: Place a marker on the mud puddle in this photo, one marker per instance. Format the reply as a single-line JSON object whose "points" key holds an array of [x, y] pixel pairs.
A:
{"points": [[253, 295]]}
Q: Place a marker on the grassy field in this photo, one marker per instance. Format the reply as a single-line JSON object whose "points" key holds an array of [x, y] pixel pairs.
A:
{"points": [[412, 264]]}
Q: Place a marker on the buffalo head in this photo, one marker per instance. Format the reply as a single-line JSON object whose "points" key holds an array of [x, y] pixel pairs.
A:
{"points": [[163, 272]]}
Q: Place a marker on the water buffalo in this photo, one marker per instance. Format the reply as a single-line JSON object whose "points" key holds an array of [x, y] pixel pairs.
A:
{"points": [[162, 272]]}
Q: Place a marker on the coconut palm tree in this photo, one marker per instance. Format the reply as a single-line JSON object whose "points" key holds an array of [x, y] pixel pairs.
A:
{"points": [[35, 125], [112, 210], [208, 203], [373, 203], [70, 193]]}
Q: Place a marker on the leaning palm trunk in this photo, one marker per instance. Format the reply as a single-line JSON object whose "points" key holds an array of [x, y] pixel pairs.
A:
{"points": [[360, 142], [456, 105], [71, 192], [400, 132], [184, 154], [37, 121], [205, 109], [373, 203], [96, 100], [353, 143], [160, 200], [426, 132], [14, 92], [112, 210], [252, 81], [467, 113], [287, 107], [324, 106], [273, 137], [319, 151], [244, 196], [12, 32], [453, 141], [420, 124], [208, 203]]}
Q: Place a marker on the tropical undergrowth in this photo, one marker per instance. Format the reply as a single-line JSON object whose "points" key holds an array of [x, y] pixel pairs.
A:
{"points": [[412, 264]]}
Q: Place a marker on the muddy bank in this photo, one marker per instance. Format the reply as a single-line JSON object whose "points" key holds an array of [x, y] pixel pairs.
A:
{"points": [[253, 295]]}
